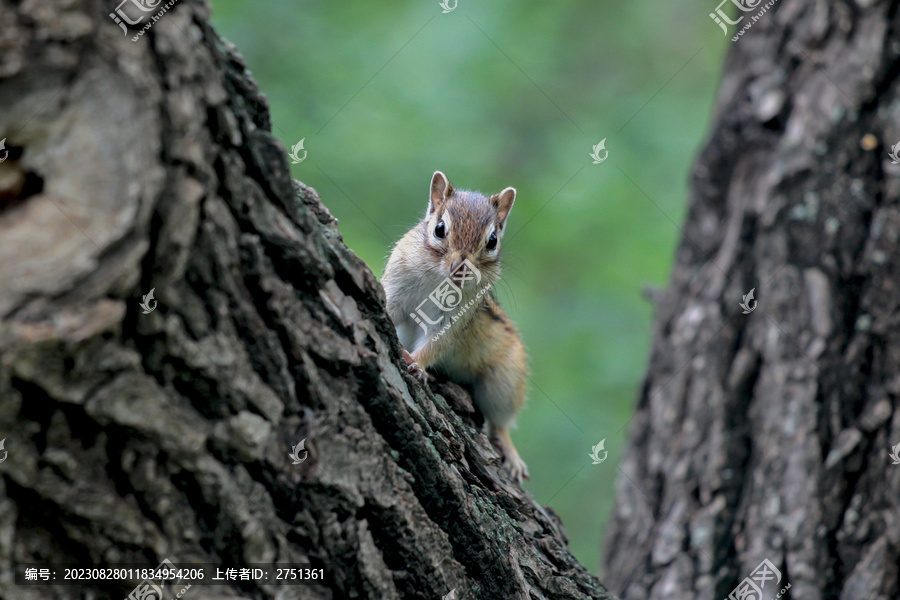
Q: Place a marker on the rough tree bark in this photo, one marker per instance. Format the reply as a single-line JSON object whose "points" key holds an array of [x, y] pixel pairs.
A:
{"points": [[767, 435], [134, 437]]}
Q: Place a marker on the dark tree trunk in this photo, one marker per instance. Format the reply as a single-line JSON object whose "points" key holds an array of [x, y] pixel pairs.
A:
{"points": [[135, 437], [767, 435]]}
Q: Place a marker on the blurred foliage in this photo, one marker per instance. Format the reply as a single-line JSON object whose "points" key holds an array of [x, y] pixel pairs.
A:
{"points": [[513, 94]]}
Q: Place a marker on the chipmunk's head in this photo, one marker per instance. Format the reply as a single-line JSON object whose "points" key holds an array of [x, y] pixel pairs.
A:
{"points": [[465, 226]]}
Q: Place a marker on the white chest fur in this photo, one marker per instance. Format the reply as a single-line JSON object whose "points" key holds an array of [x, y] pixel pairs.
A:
{"points": [[427, 306]]}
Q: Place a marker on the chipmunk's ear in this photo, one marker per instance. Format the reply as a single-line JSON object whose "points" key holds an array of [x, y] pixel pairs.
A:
{"points": [[440, 191], [504, 203]]}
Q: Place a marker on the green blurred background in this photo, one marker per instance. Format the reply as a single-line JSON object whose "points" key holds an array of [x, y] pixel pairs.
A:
{"points": [[512, 94]]}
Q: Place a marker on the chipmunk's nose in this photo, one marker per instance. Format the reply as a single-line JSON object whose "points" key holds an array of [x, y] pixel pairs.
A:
{"points": [[458, 262]]}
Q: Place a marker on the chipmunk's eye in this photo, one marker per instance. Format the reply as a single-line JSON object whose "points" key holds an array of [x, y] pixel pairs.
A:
{"points": [[439, 229], [492, 241]]}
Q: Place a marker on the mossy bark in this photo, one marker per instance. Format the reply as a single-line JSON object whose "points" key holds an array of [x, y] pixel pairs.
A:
{"points": [[135, 436], [767, 435]]}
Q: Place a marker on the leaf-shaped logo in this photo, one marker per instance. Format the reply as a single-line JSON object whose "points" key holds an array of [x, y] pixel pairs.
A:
{"points": [[146, 302], [2, 442], [895, 154], [295, 153], [895, 454], [746, 300], [296, 450], [445, 4], [451, 596], [3, 150], [600, 147], [595, 452]]}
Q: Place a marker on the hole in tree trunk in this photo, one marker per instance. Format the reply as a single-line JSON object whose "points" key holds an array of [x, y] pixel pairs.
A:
{"points": [[16, 185]]}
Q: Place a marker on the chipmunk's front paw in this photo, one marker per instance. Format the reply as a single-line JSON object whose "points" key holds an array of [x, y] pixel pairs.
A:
{"points": [[414, 369], [418, 372]]}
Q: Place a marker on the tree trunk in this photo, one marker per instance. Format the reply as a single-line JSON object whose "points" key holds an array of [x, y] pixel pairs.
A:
{"points": [[135, 436], [766, 436]]}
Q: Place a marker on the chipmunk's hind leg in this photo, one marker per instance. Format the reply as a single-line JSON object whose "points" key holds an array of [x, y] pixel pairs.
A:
{"points": [[499, 395], [513, 464]]}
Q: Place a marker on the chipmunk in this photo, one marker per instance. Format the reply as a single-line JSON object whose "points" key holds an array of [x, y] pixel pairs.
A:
{"points": [[437, 281]]}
